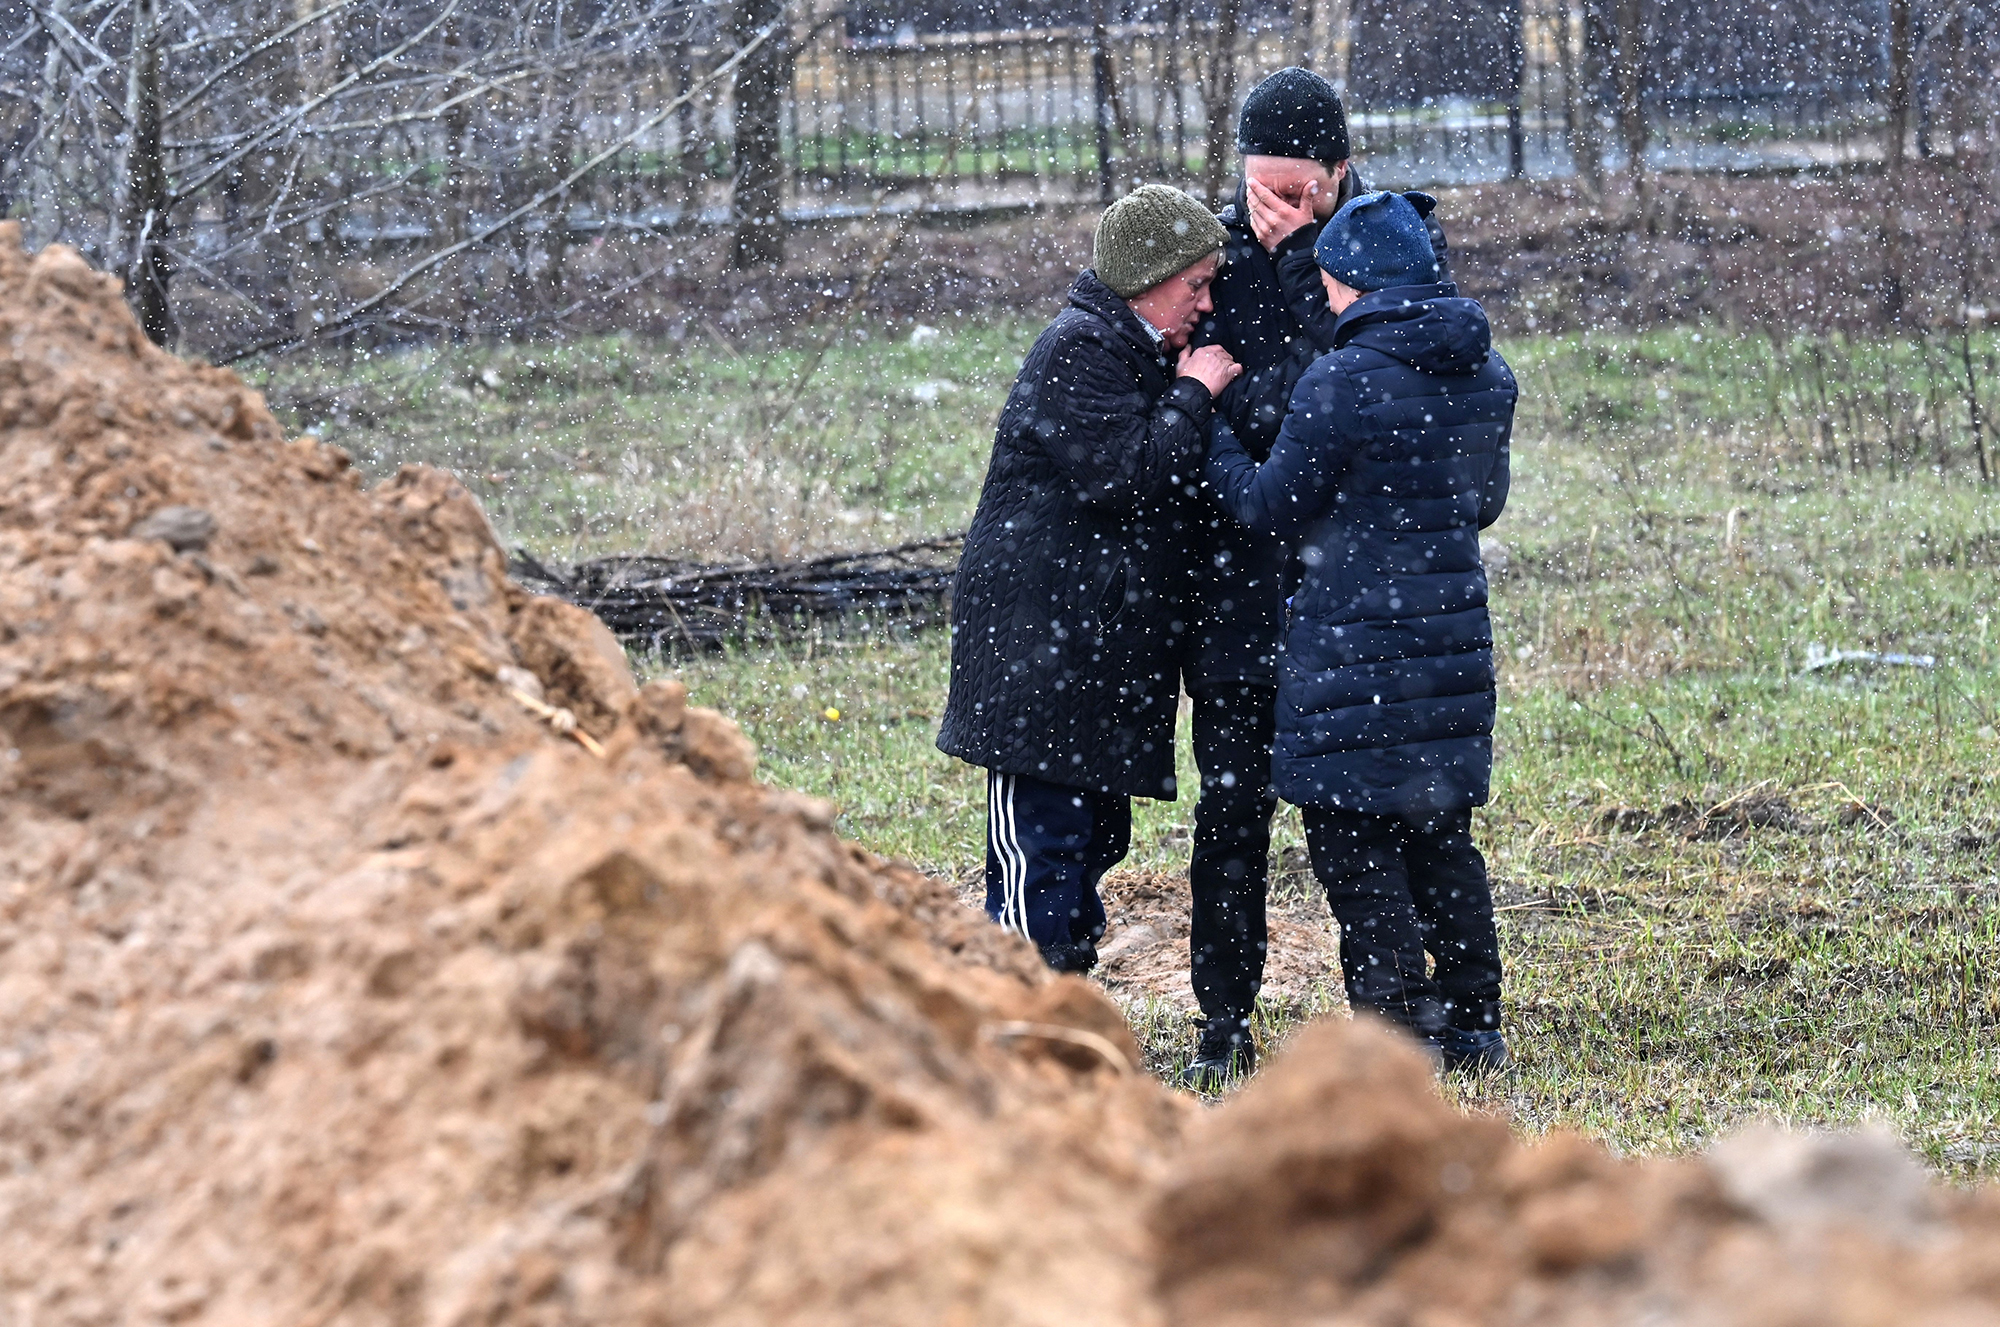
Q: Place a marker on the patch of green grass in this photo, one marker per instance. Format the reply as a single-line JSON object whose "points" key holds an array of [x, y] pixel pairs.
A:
{"points": [[1677, 964], [832, 439]]}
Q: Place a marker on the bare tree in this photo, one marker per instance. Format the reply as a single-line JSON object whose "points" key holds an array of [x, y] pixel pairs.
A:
{"points": [[1301, 49], [1628, 68], [758, 199], [284, 153], [1217, 77], [1103, 97], [137, 244], [1584, 94]]}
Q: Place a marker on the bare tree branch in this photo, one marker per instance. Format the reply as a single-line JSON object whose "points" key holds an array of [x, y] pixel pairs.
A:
{"points": [[299, 112], [409, 274], [277, 38]]}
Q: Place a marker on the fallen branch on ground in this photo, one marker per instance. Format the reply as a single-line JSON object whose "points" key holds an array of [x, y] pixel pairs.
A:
{"points": [[676, 605]]}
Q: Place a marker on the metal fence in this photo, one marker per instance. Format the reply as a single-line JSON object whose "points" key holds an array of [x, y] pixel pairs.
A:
{"points": [[976, 121], [370, 166], [1000, 117]]}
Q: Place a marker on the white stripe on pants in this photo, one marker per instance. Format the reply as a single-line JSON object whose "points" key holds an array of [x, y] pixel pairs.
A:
{"points": [[1007, 847]]}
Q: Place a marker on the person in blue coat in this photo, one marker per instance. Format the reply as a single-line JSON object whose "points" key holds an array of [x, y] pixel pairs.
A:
{"points": [[1391, 458], [1271, 316]]}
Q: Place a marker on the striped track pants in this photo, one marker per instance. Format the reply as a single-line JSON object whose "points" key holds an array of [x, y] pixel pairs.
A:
{"points": [[1047, 846]]}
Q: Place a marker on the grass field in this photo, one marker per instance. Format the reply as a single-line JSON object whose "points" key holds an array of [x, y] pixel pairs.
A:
{"points": [[1730, 888]]}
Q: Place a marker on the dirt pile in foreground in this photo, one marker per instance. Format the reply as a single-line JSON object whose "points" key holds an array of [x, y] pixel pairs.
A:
{"points": [[339, 985], [335, 986], [1338, 1188]]}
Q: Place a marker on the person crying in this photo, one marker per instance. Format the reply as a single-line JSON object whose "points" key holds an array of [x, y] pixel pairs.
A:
{"points": [[1392, 456]]}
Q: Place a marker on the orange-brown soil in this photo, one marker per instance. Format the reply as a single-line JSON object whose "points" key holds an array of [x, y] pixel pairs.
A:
{"points": [[1145, 949], [372, 950]]}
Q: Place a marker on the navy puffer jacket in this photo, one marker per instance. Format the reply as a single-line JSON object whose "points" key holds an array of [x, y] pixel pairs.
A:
{"points": [[1066, 615], [1391, 459], [1271, 314]]}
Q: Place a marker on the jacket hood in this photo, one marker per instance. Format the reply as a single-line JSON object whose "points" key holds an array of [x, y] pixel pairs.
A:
{"points": [[1089, 293], [1431, 328]]}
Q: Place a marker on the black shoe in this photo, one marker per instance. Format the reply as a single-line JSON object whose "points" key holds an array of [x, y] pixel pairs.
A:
{"points": [[1078, 956], [1226, 1054], [1473, 1052]]}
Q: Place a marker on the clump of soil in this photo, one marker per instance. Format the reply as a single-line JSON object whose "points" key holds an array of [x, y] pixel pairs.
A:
{"points": [[373, 950], [1730, 818], [1338, 1188]]}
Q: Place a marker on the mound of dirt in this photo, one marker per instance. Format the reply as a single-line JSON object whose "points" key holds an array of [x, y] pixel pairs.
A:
{"points": [[338, 984], [373, 950], [1338, 1188]]}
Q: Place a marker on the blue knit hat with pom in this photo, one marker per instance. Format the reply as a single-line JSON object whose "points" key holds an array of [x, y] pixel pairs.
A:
{"points": [[1379, 240]]}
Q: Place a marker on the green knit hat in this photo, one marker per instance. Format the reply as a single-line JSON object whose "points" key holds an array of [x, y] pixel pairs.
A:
{"points": [[1150, 234]]}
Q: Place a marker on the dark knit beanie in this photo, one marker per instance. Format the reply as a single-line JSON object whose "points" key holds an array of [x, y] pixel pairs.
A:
{"points": [[1378, 240], [1294, 113], [1150, 234]]}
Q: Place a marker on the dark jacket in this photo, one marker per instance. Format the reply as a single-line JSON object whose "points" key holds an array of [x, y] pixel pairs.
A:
{"points": [[1066, 613], [1391, 459], [1271, 314]]}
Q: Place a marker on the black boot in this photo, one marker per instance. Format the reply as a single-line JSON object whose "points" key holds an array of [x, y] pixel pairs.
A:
{"points": [[1227, 1053], [1078, 956], [1474, 1053]]}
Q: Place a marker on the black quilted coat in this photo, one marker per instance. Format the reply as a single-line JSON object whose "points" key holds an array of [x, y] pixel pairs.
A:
{"points": [[1271, 314], [1066, 614], [1393, 456]]}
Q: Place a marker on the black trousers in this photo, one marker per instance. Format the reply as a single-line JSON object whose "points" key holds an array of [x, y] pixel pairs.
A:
{"points": [[1398, 890], [1233, 727], [1047, 846]]}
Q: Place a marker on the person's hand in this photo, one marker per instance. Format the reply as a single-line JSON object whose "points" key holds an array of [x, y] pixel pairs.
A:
{"points": [[1211, 366], [1272, 219]]}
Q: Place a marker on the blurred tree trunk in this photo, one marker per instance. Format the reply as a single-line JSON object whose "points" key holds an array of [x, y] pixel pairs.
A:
{"points": [[1218, 94], [308, 266], [1339, 46], [1902, 70], [564, 115], [1103, 96], [44, 219], [1517, 88], [1301, 50], [757, 199], [1629, 73], [459, 182], [687, 130], [1585, 96], [138, 248]]}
